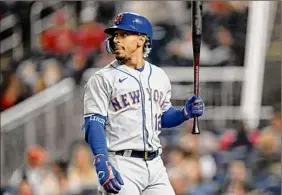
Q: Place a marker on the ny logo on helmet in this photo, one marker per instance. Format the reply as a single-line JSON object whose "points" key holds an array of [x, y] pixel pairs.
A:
{"points": [[118, 19]]}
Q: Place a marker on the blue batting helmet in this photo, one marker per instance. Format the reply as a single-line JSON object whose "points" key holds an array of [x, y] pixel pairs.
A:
{"points": [[132, 22]]}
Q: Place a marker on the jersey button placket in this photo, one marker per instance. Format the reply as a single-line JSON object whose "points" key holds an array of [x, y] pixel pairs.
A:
{"points": [[141, 80], [144, 82]]}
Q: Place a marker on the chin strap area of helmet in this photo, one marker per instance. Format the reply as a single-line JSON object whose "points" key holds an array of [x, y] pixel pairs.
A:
{"points": [[109, 45]]}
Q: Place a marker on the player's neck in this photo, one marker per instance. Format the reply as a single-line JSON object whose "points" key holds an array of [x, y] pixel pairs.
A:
{"points": [[136, 61]]}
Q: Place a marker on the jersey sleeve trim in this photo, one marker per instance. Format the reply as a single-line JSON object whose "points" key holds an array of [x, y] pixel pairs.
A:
{"points": [[90, 114]]}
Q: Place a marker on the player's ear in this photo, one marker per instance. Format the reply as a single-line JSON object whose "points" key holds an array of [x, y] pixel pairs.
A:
{"points": [[141, 41]]}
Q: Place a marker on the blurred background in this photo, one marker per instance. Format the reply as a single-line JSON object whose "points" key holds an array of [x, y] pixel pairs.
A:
{"points": [[50, 49]]}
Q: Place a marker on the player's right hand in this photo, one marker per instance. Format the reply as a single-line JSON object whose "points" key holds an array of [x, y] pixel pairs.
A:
{"points": [[108, 176]]}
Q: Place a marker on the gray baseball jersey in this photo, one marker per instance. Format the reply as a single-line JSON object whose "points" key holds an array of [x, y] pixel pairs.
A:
{"points": [[133, 102]]}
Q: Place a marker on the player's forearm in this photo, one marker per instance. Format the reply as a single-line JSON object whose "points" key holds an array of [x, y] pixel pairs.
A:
{"points": [[173, 117], [95, 134]]}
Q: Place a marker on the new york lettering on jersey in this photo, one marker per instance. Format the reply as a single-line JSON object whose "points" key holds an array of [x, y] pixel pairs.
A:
{"points": [[133, 97]]}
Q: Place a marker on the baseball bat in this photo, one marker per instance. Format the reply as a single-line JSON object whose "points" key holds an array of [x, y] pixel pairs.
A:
{"points": [[197, 9]]}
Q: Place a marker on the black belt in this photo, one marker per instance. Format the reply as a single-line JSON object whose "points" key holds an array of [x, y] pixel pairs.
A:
{"points": [[140, 154]]}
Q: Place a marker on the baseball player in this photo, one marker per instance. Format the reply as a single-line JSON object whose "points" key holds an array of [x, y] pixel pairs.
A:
{"points": [[126, 104]]}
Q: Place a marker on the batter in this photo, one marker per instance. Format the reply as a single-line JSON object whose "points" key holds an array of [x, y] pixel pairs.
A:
{"points": [[126, 104]]}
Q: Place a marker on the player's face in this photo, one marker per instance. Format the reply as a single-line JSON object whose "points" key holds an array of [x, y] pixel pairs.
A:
{"points": [[126, 44]]}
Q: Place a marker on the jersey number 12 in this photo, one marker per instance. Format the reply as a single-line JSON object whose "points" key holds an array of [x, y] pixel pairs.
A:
{"points": [[158, 123]]}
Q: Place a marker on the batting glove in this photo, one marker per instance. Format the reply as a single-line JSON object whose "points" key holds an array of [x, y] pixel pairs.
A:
{"points": [[194, 107], [108, 176]]}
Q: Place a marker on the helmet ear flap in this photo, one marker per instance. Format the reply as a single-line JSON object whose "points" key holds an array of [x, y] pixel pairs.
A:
{"points": [[109, 45]]}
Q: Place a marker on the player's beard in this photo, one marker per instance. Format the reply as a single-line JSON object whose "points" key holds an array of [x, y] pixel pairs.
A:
{"points": [[120, 58], [125, 57]]}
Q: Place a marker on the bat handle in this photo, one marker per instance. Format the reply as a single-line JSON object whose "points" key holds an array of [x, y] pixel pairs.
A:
{"points": [[196, 129]]}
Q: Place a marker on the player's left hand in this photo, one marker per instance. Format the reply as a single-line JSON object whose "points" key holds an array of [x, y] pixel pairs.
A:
{"points": [[194, 107], [108, 176]]}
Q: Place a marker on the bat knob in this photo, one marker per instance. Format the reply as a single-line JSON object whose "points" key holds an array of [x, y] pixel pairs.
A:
{"points": [[196, 129]]}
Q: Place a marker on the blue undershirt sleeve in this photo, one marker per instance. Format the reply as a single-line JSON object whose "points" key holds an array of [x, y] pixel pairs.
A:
{"points": [[94, 127], [173, 117]]}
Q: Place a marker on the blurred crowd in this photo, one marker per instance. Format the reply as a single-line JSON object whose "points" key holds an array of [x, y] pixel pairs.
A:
{"points": [[41, 175], [64, 51], [239, 161], [68, 48]]}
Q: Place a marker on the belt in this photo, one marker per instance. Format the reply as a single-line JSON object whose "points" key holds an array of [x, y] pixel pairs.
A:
{"points": [[139, 154]]}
